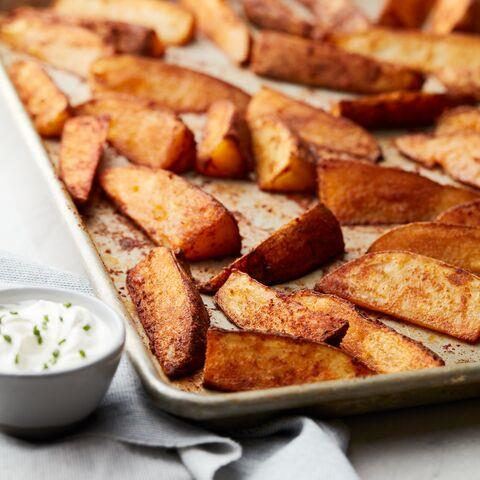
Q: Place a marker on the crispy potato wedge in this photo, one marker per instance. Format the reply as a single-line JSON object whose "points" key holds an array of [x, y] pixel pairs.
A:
{"points": [[458, 155], [219, 22], [175, 87], [145, 133], [398, 109], [44, 101], [311, 62], [170, 310], [377, 346], [299, 247], [172, 23], [418, 289], [62, 45], [237, 361], [359, 193], [83, 142], [324, 132], [405, 13], [459, 120], [449, 15], [454, 244], [253, 306], [277, 15], [224, 149], [461, 81], [173, 212], [467, 214]]}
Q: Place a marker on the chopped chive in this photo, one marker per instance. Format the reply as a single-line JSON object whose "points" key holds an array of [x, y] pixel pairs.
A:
{"points": [[61, 318], [1, 318], [56, 353], [62, 341], [45, 366], [82, 353], [17, 359], [46, 319], [7, 338], [13, 313], [87, 327], [67, 305], [36, 332]]}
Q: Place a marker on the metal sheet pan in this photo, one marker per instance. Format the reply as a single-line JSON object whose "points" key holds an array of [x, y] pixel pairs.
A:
{"points": [[109, 244]]}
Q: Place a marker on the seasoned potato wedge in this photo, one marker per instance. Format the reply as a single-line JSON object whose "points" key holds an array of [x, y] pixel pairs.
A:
{"points": [[237, 361], [326, 133], [145, 133], [461, 81], [224, 150], [173, 24], [459, 120], [45, 103], [178, 88], [418, 289], [219, 22], [311, 62], [253, 306], [173, 212], [458, 155], [449, 15], [398, 109], [405, 13], [171, 311], [62, 45], [454, 244], [83, 141], [359, 193], [467, 214], [299, 247], [377, 346]]}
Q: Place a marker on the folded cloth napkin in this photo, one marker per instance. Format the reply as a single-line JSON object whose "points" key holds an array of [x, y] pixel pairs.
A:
{"points": [[130, 438]]}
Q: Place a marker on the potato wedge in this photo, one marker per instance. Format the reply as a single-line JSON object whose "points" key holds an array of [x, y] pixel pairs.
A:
{"points": [[447, 16], [458, 155], [405, 13], [173, 212], [219, 22], [172, 23], [299, 247], [46, 104], [145, 133], [175, 87], [324, 132], [467, 214], [454, 244], [170, 310], [459, 120], [461, 81], [418, 289], [398, 109], [311, 62], [65, 46], [224, 149], [377, 346], [359, 193], [83, 141], [237, 361], [253, 306]]}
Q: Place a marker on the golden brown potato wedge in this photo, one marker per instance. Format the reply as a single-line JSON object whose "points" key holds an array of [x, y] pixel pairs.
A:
{"points": [[359, 193], [311, 62], [253, 306], [172, 23], [83, 141], [145, 133], [398, 109], [171, 311], [224, 150], [45, 103], [454, 244], [299, 247], [459, 120], [418, 289], [173, 212], [461, 81], [405, 13], [467, 214], [219, 22], [449, 15], [324, 132], [178, 88], [458, 155], [377, 346], [237, 361], [62, 45]]}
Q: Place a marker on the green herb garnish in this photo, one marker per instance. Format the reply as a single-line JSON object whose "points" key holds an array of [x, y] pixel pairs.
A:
{"points": [[46, 319], [61, 318], [62, 341], [82, 353], [17, 359], [45, 366], [56, 353], [13, 313], [87, 327], [67, 305], [37, 333], [7, 338]]}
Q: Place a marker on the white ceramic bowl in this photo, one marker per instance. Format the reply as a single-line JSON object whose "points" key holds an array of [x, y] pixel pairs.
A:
{"points": [[49, 403]]}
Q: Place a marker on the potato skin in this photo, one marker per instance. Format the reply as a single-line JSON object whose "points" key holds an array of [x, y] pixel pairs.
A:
{"points": [[467, 214], [237, 361], [171, 312], [405, 13], [173, 212]]}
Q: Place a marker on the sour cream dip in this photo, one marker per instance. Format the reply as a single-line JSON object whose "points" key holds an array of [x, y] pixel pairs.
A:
{"points": [[42, 336]]}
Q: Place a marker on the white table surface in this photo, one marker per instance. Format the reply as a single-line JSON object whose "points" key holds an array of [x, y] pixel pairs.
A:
{"points": [[437, 442]]}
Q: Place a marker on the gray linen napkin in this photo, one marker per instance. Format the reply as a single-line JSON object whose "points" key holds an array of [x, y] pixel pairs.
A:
{"points": [[129, 438]]}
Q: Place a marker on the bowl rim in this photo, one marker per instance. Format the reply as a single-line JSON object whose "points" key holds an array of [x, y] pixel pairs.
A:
{"points": [[116, 319]]}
